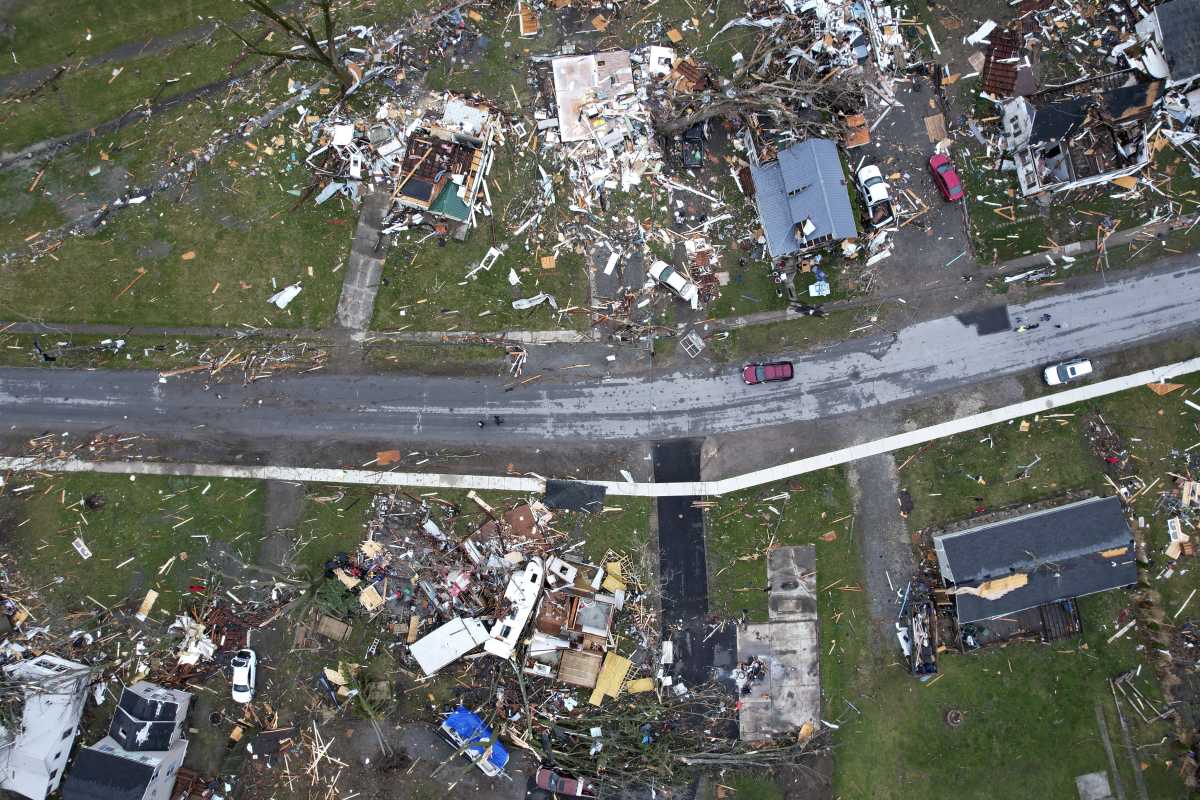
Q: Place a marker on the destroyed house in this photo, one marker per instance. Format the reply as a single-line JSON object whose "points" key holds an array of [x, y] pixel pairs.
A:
{"points": [[1081, 134], [802, 199], [1169, 39], [591, 92], [445, 163], [1028, 561], [142, 753], [573, 624], [34, 749], [593, 106]]}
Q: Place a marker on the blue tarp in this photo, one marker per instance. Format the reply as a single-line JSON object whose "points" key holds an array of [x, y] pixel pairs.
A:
{"points": [[466, 726]]}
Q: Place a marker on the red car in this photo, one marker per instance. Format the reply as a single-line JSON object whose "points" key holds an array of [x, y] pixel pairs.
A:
{"points": [[563, 786], [767, 373], [945, 177]]}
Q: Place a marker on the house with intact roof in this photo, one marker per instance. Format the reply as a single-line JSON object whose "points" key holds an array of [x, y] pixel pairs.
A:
{"points": [[803, 199]]}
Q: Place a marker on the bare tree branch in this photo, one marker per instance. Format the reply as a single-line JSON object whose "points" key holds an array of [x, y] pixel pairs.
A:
{"points": [[801, 94], [296, 29]]}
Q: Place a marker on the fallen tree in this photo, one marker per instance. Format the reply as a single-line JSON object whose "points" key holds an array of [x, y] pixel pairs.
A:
{"points": [[780, 80]]}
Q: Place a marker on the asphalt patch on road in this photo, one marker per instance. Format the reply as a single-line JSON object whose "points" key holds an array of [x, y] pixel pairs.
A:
{"points": [[987, 321], [684, 568]]}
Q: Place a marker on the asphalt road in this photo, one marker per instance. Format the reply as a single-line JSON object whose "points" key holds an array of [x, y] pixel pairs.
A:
{"points": [[924, 359]]}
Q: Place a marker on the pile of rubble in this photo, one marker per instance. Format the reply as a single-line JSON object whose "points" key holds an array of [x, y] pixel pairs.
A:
{"points": [[508, 603], [1117, 105], [451, 594], [431, 160]]}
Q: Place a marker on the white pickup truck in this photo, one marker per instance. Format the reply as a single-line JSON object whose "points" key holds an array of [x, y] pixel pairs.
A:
{"points": [[877, 195]]}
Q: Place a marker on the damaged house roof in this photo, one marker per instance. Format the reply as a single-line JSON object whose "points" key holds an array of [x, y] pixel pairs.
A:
{"points": [[805, 184], [97, 775], [1004, 74], [580, 82], [1056, 554], [1179, 26], [147, 716], [1080, 134]]}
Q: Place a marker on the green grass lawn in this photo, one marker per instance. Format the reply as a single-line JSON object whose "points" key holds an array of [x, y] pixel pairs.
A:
{"points": [[1157, 431], [952, 477], [623, 527], [438, 358], [235, 216], [1147, 249], [741, 527], [246, 241], [1070, 216], [143, 524], [54, 31], [1020, 702], [85, 98], [333, 521], [793, 334], [1023, 699], [140, 351], [23, 213], [427, 290]]}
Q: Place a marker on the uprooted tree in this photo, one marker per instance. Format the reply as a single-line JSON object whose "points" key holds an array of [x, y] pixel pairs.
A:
{"points": [[800, 94], [295, 26]]}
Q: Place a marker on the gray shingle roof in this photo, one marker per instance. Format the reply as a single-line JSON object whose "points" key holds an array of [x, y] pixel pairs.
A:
{"points": [[1179, 21], [96, 775], [1059, 549], [806, 182]]}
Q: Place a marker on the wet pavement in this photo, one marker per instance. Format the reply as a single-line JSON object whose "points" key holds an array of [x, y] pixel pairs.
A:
{"points": [[684, 569]]}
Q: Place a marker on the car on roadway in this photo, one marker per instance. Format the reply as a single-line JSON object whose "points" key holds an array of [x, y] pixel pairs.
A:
{"points": [[562, 785], [245, 673], [945, 177], [664, 273], [1067, 371], [767, 372]]}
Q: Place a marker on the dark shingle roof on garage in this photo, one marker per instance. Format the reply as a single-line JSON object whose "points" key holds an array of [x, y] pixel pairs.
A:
{"points": [[1058, 548]]}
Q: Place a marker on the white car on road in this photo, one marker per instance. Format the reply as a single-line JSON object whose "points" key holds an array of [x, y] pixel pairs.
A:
{"points": [[245, 670], [1067, 371]]}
